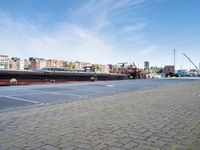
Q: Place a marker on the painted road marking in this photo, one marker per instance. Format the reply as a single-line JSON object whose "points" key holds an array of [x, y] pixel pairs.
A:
{"points": [[20, 99], [110, 85], [24, 94]]}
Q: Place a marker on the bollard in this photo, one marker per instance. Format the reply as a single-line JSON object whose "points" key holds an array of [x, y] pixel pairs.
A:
{"points": [[53, 81], [13, 81]]}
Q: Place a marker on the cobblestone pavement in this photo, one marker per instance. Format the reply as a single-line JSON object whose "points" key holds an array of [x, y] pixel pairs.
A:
{"points": [[162, 118]]}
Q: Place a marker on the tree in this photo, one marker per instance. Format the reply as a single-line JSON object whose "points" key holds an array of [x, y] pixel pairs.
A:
{"points": [[96, 67], [69, 65], [115, 69]]}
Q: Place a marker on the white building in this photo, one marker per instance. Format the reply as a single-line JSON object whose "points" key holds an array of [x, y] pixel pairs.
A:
{"points": [[17, 63], [105, 68], [21, 64], [4, 62]]}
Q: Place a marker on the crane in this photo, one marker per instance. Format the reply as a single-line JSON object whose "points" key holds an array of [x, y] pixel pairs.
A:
{"points": [[191, 62], [123, 64]]}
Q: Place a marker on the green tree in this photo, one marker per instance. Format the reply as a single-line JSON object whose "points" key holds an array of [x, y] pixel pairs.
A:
{"points": [[69, 65], [96, 67], [115, 69]]}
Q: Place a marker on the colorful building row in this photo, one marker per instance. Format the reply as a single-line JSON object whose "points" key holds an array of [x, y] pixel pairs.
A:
{"points": [[16, 63]]}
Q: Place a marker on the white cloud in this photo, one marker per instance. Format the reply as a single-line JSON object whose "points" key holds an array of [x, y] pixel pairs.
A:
{"points": [[134, 28], [149, 50], [96, 8], [126, 3], [72, 41], [67, 41], [139, 39]]}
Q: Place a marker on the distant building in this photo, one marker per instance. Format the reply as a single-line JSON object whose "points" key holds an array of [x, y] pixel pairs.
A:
{"points": [[81, 65], [14, 63], [17, 63], [4, 57], [26, 64], [37, 63], [193, 72], [182, 72], [4, 62], [146, 65], [55, 63], [21, 64], [32, 63], [168, 70], [105, 68], [110, 66]]}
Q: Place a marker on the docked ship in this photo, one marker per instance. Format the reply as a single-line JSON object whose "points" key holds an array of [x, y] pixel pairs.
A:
{"points": [[54, 75]]}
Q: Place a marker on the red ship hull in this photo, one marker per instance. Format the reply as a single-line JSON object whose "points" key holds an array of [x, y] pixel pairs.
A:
{"points": [[9, 77]]}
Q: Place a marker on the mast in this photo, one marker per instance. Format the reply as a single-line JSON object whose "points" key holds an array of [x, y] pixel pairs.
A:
{"points": [[174, 60]]}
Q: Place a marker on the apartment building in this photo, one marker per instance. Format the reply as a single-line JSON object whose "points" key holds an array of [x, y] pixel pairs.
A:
{"points": [[4, 62], [17, 63], [55, 63], [14, 63], [105, 69], [26, 64], [37, 63], [81, 65]]}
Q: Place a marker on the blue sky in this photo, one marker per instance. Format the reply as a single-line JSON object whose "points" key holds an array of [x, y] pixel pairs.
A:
{"points": [[102, 31]]}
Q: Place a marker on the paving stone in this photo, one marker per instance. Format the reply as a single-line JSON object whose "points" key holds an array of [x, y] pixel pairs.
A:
{"points": [[165, 117], [36, 146], [130, 145], [99, 147], [166, 147], [83, 146], [142, 130], [125, 140], [115, 148], [49, 147], [64, 145], [195, 145]]}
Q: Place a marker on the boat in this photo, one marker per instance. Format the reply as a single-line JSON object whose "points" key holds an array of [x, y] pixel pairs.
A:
{"points": [[54, 75]]}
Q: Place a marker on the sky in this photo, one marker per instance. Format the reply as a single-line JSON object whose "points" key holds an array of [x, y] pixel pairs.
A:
{"points": [[102, 31]]}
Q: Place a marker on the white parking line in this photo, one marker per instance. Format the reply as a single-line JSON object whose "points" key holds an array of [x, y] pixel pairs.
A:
{"points": [[20, 99], [110, 85], [27, 94]]}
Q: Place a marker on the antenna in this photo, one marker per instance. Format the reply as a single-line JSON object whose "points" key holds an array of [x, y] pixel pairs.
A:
{"points": [[174, 60]]}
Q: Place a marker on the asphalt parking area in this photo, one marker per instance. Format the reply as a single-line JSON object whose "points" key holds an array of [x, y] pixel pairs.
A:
{"points": [[22, 96]]}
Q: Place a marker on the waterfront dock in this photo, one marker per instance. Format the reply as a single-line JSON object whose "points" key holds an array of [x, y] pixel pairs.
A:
{"points": [[118, 115]]}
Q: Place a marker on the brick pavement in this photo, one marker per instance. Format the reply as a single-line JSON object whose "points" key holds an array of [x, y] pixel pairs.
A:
{"points": [[162, 118]]}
